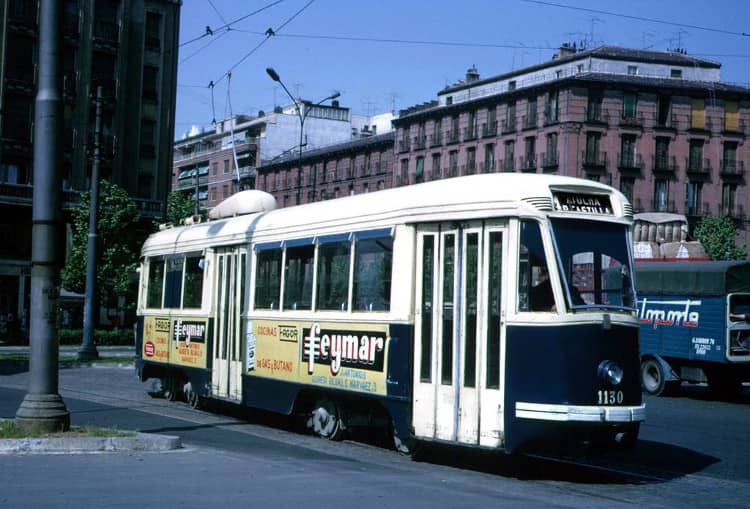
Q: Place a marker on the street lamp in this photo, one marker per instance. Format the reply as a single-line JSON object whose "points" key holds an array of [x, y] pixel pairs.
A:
{"points": [[300, 105]]}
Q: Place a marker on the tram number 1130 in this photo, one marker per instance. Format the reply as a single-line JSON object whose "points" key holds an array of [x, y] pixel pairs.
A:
{"points": [[610, 397]]}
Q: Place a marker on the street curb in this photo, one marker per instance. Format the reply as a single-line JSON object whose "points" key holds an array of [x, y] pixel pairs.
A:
{"points": [[141, 442]]}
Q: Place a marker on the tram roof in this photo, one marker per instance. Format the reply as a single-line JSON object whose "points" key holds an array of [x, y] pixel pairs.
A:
{"points": [[459, 199]]}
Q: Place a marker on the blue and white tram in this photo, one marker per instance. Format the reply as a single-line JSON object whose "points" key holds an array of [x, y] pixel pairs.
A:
{"points": [[493, 310]]}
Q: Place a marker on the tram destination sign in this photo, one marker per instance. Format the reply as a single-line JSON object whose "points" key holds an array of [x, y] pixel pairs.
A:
{"points": [[582, 203]]}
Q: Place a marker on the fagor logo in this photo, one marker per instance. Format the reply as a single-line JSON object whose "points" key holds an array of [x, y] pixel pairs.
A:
{"points": [[364, 350], [673, 313]]}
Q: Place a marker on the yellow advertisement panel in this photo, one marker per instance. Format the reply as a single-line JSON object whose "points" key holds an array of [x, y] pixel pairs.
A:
{"points": [[189, 342], [156, 334], [351, 357], [179, 341]]}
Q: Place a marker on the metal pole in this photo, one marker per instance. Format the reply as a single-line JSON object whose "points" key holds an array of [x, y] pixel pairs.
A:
{"points": [[88, 348], [42, 408], [299, 161], [197, 185]]}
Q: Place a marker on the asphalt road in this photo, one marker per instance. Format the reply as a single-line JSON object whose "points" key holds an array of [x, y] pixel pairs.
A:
{"points": [[693, 452]]}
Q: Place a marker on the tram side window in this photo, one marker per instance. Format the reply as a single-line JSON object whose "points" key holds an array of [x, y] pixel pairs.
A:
{"points": [[298, 277], [494, 286], [268, 279], [372, 274], [534, 287], [173, 282], [155, 282], [333, 276], [193, 286]]}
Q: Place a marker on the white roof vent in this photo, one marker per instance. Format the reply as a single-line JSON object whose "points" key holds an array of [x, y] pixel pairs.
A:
{"points": [[244, 202]]}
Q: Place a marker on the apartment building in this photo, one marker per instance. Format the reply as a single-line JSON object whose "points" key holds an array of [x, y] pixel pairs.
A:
{"points": [[660, 126], [129, 48]]}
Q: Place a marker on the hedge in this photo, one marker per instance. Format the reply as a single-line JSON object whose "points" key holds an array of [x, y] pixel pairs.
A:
{"points": [[101, 337]]}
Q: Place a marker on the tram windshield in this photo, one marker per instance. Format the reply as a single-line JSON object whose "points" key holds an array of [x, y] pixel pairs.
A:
{"points": [[594, 263]]}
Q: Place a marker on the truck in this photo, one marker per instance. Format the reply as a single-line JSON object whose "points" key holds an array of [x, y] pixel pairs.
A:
{"points": [[695, 325]]}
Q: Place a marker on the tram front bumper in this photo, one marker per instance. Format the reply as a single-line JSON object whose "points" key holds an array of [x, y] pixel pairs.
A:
{"points": [[580, 413]]}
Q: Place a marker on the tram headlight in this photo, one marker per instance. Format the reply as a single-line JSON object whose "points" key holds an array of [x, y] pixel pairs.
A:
{"points": [[610, 371]]}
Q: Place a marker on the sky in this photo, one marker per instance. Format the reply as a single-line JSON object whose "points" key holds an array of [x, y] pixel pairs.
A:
{"points": [[387, 55]]}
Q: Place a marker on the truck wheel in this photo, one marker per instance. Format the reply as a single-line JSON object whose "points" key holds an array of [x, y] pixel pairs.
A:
{"points": [[325, 420], [653, 378]]}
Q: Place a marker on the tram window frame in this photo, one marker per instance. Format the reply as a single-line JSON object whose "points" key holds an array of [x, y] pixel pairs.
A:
{"points": [[175, 269], [429, 246], [332, 285], [299, 265], [192, 282], [371, 292], [267, 292], [155, 283], [494, 308], [535, 292]]}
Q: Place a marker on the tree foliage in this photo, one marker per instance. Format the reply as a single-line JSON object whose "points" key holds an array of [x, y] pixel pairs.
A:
{"points": [[179, 206], [718, 236], [117, 248]]}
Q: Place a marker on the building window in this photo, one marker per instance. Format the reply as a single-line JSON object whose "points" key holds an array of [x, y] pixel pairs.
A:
{"points": [[579, 68], [435, 166], [663, 111], [626, 187], [731, 116], [593, 141], [145, 183], [452, 163], [632, 70], [695, 156], [661, 191], [697, 113], [510, 148], [675, 73], [153, 31], [728, 195], [662, 153], [404, 171], [629, 105], [512, 85], [213, 194], [449, 100], [550, 157], [694, 193], [150, 76], [225, 191], [529, 160], [729, 159], [551, 108], [214, 168], [489, 158], [226, 166], [419, 175]]}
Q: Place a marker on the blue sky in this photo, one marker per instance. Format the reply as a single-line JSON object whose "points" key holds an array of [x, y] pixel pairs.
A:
{"points": [[340, 45]]}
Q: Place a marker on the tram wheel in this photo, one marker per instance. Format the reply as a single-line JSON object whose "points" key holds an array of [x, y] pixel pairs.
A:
{"points": [[193, 399], [653, 378], [170, 388], [325, 420]]}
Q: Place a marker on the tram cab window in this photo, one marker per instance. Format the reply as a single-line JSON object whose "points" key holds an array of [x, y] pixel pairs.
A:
{"points": [[372, 274], [192, 295], [333, 276], [155, 290], [534, 287]]}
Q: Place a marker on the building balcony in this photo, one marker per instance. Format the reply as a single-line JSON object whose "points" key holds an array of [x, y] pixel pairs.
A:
{"points": [[632, 121], [106, 33], [527, 163], [470, 133], [550, 161], [664, 164], [594, 159], [404, 146], [451, 171], [451, 136], [697, 209], [595, 114], [736, 212], [668, 122], [509, 125], [658, 205], [469, 168], [507, 165], [191, 183], [698, 168], [489, 129], [432, 175], [154, 208], [528, 122], [731, 169], [419, 142], [435, 140], [488, 167]]}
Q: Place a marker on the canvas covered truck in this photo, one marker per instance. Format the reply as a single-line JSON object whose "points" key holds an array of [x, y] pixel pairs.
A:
{"points": [[695, 324]]}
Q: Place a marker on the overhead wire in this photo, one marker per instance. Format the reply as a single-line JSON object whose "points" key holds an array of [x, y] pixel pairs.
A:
{"points": [[211, 31], [638, 18]]}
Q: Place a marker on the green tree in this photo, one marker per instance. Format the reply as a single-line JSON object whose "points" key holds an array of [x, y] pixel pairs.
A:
{"points": [[718, 236], [179, 206], [119, 241]]}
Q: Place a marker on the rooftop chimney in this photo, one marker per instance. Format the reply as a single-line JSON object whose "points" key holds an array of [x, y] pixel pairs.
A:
{"points": [[472, 74]]}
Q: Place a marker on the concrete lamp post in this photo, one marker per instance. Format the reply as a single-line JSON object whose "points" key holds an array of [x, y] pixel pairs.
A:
{"points": [[303, 108]]}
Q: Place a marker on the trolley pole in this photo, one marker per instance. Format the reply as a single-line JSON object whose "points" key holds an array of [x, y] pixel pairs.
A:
{"points": [[88, 348], [43, 409]]}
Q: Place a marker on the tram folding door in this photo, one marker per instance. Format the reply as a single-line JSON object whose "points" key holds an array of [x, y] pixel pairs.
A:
{"points": [[459, 334], [229, 302]]}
